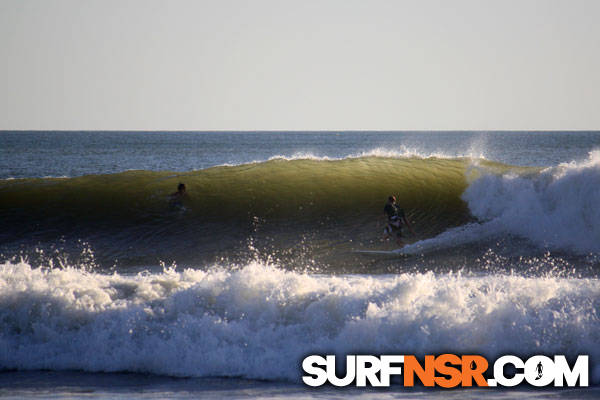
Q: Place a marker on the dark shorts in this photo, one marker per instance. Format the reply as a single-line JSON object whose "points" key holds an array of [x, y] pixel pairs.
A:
{"points": [[393, 228]]}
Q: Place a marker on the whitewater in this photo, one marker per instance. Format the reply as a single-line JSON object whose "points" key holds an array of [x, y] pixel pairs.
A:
{"points": [[555, 208], [259, 321]]}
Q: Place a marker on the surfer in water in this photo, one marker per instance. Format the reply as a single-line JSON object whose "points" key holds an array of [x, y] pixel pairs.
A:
{"points": [[176, 199], [395, 219]]}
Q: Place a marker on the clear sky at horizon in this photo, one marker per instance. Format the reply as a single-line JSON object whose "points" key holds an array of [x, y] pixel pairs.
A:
{"points": [[300, 65]]}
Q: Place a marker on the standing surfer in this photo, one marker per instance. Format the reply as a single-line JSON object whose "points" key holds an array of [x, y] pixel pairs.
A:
{"points": [[395, 219]]}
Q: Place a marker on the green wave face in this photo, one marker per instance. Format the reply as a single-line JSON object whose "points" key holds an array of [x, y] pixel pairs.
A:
{"points": [[330, 201], [273, 189]]}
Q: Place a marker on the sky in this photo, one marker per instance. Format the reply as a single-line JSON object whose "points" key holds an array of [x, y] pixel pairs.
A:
{"points": [[300, 65]]}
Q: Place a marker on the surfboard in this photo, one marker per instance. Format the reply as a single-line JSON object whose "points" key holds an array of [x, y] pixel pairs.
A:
{"points": [[419, 247], [381, 252]]}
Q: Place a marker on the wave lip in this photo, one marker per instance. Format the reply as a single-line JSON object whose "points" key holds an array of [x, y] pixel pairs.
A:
{"points": [[397, 152], [259, 321]]}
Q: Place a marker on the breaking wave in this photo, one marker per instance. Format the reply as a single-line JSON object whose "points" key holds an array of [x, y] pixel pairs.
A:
{"points": [[260, 321], [328, 206]]}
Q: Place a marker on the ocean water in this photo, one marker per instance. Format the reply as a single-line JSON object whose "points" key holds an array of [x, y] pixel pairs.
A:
{"points": [[108, 289]]}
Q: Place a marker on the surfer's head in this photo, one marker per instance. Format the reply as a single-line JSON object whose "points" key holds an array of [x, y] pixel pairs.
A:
{"points": [[392, 199], [181, 187]]}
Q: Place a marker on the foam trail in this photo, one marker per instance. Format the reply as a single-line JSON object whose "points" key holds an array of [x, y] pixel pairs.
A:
{"points": [[453, 237], [260, 321]]}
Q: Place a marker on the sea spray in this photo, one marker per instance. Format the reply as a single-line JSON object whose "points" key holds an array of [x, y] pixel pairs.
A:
{"points": [[260, 321], [556, 208]]}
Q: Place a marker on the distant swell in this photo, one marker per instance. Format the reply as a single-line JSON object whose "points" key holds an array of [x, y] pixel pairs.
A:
{"points": [[259, 321]]}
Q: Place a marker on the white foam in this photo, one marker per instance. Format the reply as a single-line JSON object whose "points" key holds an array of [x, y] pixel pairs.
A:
{"points": [[453, 237], [300, 156], [557, 208], [260, 322], [409, 152], [11, 178], [398, 152]]}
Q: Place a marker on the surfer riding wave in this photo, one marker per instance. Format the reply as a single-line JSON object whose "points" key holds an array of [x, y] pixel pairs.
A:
{"points": [[395, 219]]}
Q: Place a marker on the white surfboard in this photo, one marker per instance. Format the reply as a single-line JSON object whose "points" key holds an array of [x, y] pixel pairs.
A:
{"points": [[381, 252], [419, 247]]}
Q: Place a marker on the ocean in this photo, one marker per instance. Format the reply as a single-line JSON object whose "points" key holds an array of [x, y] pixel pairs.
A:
{"points": [[109, 288]]}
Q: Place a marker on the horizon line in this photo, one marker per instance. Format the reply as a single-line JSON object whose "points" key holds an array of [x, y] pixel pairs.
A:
{"points": [[305, 131]]}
